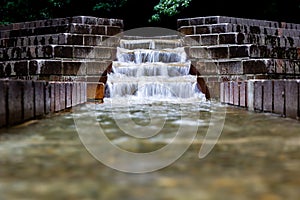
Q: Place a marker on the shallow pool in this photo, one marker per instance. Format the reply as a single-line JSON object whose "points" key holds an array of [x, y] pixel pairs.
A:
{"points": [[257, 155]]}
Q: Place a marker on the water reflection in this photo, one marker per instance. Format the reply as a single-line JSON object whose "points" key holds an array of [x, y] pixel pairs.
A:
{"points": [[256, 157]]}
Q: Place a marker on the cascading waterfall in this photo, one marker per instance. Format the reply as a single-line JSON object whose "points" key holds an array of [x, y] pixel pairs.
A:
{"points": [[152, 73]]}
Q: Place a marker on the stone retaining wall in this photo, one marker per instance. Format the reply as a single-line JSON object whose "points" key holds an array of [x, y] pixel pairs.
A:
{"points": [[281, 97], [22, 100], [254, 64]]}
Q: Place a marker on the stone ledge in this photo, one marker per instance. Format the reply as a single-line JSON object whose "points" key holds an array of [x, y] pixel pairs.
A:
{"points": [[234, 20], [89, 20]]}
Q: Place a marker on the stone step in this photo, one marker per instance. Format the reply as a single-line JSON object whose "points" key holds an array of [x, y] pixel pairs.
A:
{"points": [[234, 20], [241, 38], [242, 51], [88, 20], [52, 67], [271, 67], [151, 55], [240, 28], [57, 51], [150, 43], [61, 39], [67, 28]]}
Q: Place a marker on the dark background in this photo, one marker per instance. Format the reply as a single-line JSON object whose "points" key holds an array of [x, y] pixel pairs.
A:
{"points": [[136, 13]]}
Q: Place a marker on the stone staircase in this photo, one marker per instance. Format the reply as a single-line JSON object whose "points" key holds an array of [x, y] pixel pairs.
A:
{"points": [[48, 66], [243, 49], [256, 63]]}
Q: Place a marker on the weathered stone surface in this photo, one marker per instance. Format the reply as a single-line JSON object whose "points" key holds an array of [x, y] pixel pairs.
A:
{"points": [[227, 92], [68, 89], [279, 97], [258, 95], [3, 106], [15, 109], [268, 95], [39, 98], [243, 94], [28, 100], [292, 99], [236, 93]]}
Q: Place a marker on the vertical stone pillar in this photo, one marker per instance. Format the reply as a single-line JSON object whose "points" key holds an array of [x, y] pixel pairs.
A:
{"points": [[279, 97], [292, 99], [250, 95], [3, 106]]}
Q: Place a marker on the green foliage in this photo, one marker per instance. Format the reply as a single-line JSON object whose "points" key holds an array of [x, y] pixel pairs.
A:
{"points": [[109, 5], [168, 8]]}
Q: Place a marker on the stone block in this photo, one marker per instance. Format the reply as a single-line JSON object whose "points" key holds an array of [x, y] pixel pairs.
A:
{"points": [[112, 30], [230, 67], [250, 95], [105, 53], [98, 30], [236, 93], [187, 30], [39, 98], [74, 94], [240, 51], [196, 21], [214, 89], [228, 38], [222, 92], [28, 100], [47, 97], [268, 95], [52, 96], [243, 93], [198, 52], [254, 67], [95, 91], [51, 67], [63, 51], [21, 68], [220, 28], [231, 92], [68, 86], [258, 95], [74, 68], [3, 101], [96, 68], [84, 52], [292, 99], [203, 29], [220, 52], [62, 95], [227, 91], [15, 110], [279, 97], [209, 39]]}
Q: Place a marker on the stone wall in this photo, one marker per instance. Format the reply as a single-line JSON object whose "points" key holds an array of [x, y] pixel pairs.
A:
{"points": [[66, 49], [233, 54], [23, 100], [51, 65]]}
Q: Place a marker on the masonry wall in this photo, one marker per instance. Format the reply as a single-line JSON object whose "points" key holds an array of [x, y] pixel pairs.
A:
{"points": [[246, 62], [48, 66], [23, 100]]}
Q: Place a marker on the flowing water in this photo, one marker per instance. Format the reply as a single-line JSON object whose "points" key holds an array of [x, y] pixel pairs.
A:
{"points": [[154, 106], [256, 157]]}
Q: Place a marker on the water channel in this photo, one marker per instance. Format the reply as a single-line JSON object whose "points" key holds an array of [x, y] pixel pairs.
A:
{"points": [[246, 155]]}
